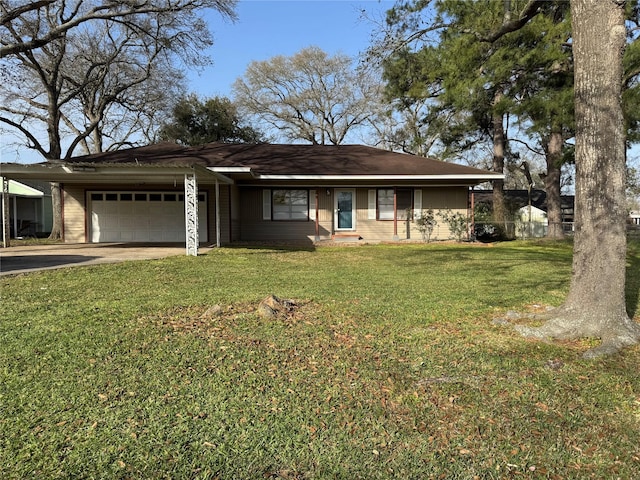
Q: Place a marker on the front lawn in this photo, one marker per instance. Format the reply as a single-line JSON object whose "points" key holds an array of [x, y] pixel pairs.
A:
{"points": [[390, 366]]}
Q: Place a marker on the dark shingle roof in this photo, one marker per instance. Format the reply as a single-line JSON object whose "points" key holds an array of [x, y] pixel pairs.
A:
{"points": [[292, 159]]}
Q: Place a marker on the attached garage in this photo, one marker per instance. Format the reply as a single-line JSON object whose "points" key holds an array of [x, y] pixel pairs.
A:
{"points": [[134, 216]]}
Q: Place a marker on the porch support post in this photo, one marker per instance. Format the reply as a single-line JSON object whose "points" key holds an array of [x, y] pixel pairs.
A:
{"points": [[317, 200], [6, 229], [472, 232], [395, 215], [15, 217], [191, 213], [217, 213]]}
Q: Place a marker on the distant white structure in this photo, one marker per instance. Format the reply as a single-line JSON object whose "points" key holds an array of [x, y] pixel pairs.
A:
{"points": [[531, 222]]}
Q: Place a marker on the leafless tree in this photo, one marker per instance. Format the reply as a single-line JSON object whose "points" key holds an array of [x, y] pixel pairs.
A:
{"points": [[310, 96], [19, 17], [88, 76]]}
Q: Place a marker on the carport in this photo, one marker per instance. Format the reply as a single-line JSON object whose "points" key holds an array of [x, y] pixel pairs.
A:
{"points": [[137, 205]]}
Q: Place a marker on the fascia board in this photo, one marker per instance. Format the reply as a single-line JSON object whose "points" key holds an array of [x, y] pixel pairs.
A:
{"points": [[471, 177], [230, 169], [71, 173]]}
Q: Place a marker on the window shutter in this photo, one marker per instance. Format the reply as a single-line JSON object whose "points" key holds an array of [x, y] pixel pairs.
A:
{"points": [[372, 205], [417, 203], [266, 204]]}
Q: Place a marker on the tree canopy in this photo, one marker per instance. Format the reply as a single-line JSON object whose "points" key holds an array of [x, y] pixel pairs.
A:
{"points": [[508, 89], [196, 122], [309, 96]]}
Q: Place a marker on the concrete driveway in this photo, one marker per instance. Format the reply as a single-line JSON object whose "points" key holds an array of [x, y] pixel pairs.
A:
{"points": [[30, 258]]}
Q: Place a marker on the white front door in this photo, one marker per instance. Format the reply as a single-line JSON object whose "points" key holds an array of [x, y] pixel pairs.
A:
{"points": [[345, 208]]}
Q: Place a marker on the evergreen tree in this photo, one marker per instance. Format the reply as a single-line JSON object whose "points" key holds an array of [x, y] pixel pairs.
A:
{"points": [[196, 122]]}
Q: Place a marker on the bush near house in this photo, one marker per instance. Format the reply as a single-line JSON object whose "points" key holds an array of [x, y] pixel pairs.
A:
{"points": [[390, 364]]}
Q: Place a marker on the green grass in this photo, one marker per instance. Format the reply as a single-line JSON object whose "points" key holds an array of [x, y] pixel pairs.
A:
{"points": [[390, 367]]}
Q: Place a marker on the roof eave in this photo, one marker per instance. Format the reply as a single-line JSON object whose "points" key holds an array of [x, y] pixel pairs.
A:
{"points": [[463, 177], [81, 173]]}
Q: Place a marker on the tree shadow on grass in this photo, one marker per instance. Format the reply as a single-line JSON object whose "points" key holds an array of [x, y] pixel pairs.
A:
{"points": [[37, 262], [278, 246], [633, 280]]}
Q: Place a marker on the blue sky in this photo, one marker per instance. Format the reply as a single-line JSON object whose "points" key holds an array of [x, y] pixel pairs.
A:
{"points": [[266, 28]]}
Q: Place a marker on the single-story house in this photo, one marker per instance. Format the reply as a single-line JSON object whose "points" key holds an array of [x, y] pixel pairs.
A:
{"points": [[29, 207], [223, 193]]}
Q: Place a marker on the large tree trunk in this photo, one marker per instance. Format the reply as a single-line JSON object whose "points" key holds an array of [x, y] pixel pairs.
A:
{"points": [[56, 204], [595, 306], [552, 184], [499, 203]]}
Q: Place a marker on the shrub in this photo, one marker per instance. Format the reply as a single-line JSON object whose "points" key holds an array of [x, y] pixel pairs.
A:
{"points": [[426, 222], [457, 223]]}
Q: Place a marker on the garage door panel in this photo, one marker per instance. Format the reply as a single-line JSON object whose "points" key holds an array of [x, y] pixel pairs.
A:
{"points": [[141, 217]]}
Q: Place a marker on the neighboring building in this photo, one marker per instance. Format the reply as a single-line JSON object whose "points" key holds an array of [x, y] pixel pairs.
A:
{"points": [[30, 213], [258, 192], [518, 203]]}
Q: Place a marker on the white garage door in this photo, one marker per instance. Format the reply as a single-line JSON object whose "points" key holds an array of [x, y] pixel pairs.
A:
{"points": [[142, 217]]}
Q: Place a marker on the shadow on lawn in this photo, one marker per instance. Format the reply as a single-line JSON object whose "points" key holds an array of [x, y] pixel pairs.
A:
{"points": [[481, 255], [633, 281], [289, 246], [36, 262]]}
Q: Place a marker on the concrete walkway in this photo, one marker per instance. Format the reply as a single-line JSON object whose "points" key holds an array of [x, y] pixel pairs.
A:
{"points": [[30, 258]]}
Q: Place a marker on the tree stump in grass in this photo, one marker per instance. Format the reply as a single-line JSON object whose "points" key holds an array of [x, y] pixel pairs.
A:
{"points": [[271, 307]]}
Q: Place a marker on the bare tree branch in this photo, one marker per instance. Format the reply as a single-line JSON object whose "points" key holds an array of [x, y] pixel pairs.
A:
{"points": [[9, 15], [109, 10]]}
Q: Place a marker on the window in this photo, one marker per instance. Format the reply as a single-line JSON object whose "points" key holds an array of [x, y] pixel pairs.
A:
{"points": [[385, 203], [289, 205]]}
